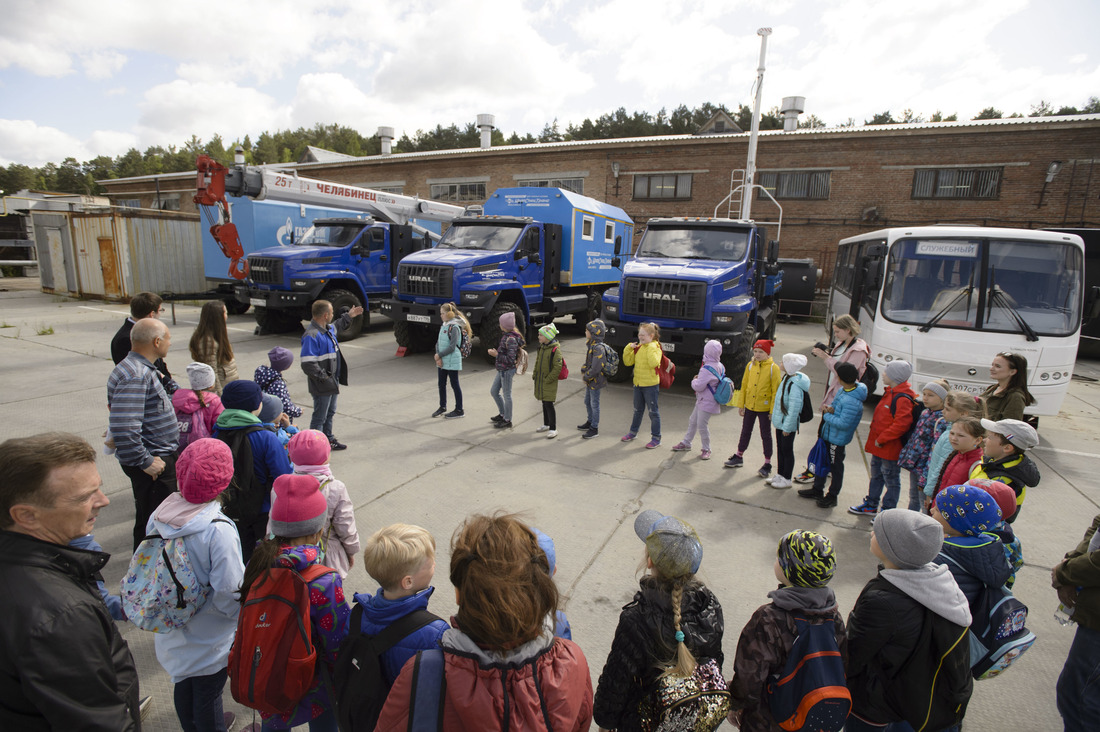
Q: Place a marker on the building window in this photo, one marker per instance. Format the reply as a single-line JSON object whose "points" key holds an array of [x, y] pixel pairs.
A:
{"points": [[167, 202], [676, 186], [576, 185], [458, 191], [957, 182], [806, 184], [128, 202], [388, 189]]}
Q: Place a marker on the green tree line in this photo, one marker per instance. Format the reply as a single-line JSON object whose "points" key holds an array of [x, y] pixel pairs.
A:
{"points": [[286, 146]]}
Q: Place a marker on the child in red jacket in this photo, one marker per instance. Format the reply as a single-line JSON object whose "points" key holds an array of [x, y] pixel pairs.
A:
{"points": [[966, 438], [890, 422]]}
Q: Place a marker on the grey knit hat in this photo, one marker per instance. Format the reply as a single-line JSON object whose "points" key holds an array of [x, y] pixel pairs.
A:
{"points": [[672, 544], [899, 371], [908, 539]]}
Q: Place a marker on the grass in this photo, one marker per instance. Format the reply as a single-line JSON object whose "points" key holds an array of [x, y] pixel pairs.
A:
{"points": [[44, 330], [6, 324]]}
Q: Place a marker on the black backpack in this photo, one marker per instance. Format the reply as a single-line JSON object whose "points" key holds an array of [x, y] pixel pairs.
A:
{"points": [[869, 377], [243, 500], [918, 410], [806, 414], [360, 683]]}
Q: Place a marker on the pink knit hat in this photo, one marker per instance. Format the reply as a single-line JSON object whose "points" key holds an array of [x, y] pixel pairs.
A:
{"points": [[309, 447], [299, 508], [204, 469]]}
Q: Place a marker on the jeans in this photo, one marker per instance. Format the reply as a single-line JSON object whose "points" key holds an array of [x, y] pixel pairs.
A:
{"points": [[549, 415], [592, 406], [199, 702], [916, 492], [323, 723], [451, 374], [836, 457], [1078, 689], [149, 492], [646, 397], [698, 421], [784, 453], [501, 392], [884, 473], [324, 409], [765, 432]]}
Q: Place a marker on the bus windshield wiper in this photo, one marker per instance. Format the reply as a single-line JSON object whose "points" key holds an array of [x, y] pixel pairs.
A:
{"points": [[997, 294], [965, 292]]}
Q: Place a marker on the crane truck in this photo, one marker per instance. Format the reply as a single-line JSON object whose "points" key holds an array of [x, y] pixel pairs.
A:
{"points": [[348, 260]]}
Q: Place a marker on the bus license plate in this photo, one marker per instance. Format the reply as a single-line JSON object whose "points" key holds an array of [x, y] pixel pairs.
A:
{"points": [[420, 318], [258, 302]]}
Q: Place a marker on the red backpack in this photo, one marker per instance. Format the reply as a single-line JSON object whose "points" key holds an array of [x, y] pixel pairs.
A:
{"points": [[273, 659]]}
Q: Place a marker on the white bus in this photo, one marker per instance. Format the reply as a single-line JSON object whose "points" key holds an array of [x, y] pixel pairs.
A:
{"points": [[947, 299]]}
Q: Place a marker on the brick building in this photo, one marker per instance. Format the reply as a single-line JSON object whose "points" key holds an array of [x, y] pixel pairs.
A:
{"points": [[831, 182]]}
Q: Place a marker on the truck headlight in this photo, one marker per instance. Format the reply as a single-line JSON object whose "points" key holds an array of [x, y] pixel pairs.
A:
{"points": [[611, 309]]}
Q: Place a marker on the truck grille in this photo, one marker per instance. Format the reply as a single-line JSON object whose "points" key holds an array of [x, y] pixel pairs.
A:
{"points": [[665, 299], [265, 270], [424, 280]]}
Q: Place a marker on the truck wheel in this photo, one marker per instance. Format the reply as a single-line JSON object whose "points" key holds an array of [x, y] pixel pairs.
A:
{"points": [[594, 309], [623, 373], [341, 299], [233, 306], [275, 321], [735, 364], [414, 337], [490, 326]]}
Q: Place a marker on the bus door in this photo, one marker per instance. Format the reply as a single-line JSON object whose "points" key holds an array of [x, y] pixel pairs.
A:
{"points": [[867, 280]]}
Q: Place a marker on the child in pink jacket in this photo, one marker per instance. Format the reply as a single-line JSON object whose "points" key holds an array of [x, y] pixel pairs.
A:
{"points": [[704, 384], [197, 408]]}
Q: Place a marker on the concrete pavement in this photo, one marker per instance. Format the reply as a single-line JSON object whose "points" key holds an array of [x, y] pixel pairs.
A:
{"points": [[402, 465]]}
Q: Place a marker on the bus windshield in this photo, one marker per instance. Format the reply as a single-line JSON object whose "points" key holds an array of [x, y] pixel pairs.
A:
{"points": [[494, 237], [1025, 287], [727, 245]]}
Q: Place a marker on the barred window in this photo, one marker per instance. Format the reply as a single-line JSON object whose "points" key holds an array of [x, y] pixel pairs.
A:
{"points": [[957, 183], [806, 184], [167, 202], [458, 191], [576, 185], [676, 186]]}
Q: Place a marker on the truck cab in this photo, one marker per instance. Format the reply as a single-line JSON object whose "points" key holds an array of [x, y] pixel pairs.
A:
{"points": [[699, 279]]}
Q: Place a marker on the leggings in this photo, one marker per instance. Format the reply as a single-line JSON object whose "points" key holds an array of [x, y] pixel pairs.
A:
{"points": [[698, 421], [784, 448], [765, 432], [549, 416], [444, 374]]}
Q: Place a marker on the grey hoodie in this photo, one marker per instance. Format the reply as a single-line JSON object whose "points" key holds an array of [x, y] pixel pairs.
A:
{"points": [[932, 586]]}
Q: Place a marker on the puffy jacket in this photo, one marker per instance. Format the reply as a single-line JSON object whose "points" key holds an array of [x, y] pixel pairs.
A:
{"points": [[540, 686], [379, 613], [1008, 405], [975, 562], [706, 381], [759, 385], [547, 369], [447, 344], [508, 350], [321, 359], [957, 470], [645, 641], [201, 647], [887, 428], [839, 427], [1017, 471], [208, 351], [793, 390], [1081, 568], [269, 459], [766, 642], [186, 401], [915, 455], [594, 360], [856, 354], [63, 663], [272, 382], [937, 460], [341, 537], [645, 362]]}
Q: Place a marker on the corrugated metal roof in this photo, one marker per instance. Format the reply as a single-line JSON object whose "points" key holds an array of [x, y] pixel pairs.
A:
{"points": [[660, 140]]}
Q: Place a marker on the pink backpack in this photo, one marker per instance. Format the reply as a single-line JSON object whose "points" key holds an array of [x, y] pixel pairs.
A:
{"points": [[192, 426]]}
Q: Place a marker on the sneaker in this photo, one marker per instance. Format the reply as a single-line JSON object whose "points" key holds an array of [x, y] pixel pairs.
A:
{"points": [[812, 493], [144, 706], [439, 412], [592, 432], [655, 442], [765, 470], [586, 426], [828, 501], [504, 424], [864, 509], [551, 434], [681, 447], [230, 720], [704, 455], [544, 428], [735, 461], [628, 437], [805, 477], [336, 444], [499, 418], [455, 414], [780, 482]]}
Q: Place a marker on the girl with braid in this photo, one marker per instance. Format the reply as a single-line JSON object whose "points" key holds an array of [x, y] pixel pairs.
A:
{"points": [[673, 625]]}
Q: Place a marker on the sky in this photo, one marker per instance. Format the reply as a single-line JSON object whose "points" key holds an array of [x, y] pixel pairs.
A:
{"points": [[81, 79]]}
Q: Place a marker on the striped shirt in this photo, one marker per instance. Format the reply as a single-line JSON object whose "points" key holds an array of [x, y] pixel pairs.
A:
{"points": [[143, 423]]}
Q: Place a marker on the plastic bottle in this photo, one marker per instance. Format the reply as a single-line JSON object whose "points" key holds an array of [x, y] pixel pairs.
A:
{"points": [[1063, 614]]}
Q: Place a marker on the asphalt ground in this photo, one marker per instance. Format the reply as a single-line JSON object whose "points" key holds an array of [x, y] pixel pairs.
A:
{"points": [[402, 465]]}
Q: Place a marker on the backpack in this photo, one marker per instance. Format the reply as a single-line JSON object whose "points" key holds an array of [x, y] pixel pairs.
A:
{"points": [[243, 500], [811, 694], [869, 377], [806, 413], [699, 702], [918, 410], [428, 692], [160, 591], [666, 372], [273, 658], [192, 427], [610, 360], [998, 635], [465, 345], [723, 392], [360, 683], [521, 361], [564, 373]]}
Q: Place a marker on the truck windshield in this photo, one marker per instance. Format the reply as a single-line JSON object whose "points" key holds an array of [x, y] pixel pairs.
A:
{"points": [[494, 237], [1024, 285], [727, 245], [328, 236]]}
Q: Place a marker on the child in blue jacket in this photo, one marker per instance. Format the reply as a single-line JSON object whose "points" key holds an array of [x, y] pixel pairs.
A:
{"points": [[838, 425], [793, 390], [972, 552]]}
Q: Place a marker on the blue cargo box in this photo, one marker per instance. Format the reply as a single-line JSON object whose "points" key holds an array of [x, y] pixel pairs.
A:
{"points": [[589, 228]]}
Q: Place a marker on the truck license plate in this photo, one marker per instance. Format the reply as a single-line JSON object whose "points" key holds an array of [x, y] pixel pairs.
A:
{"points": [[258, 302], [420, 318]]}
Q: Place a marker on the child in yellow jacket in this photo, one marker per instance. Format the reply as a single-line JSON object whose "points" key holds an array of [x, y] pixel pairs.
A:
{"points": [[645, 357], [754, 400]]}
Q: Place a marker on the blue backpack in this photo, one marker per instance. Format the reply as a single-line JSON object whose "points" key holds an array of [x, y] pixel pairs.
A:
{"points": [[812, 692], [723, 392]]}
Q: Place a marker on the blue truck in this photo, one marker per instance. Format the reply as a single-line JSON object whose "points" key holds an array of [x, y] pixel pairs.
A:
{"points": [[541, 253], [698, 279]]}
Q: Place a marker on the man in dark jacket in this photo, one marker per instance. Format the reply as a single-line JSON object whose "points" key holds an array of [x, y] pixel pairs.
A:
{"points": [[63, 663], [142, 305], [324, 365], [1077, 580]]}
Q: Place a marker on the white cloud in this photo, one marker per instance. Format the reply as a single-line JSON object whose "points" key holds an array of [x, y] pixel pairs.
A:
{"points": [[111, 142], [172, 112], [24, 141], [99, 65]]}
